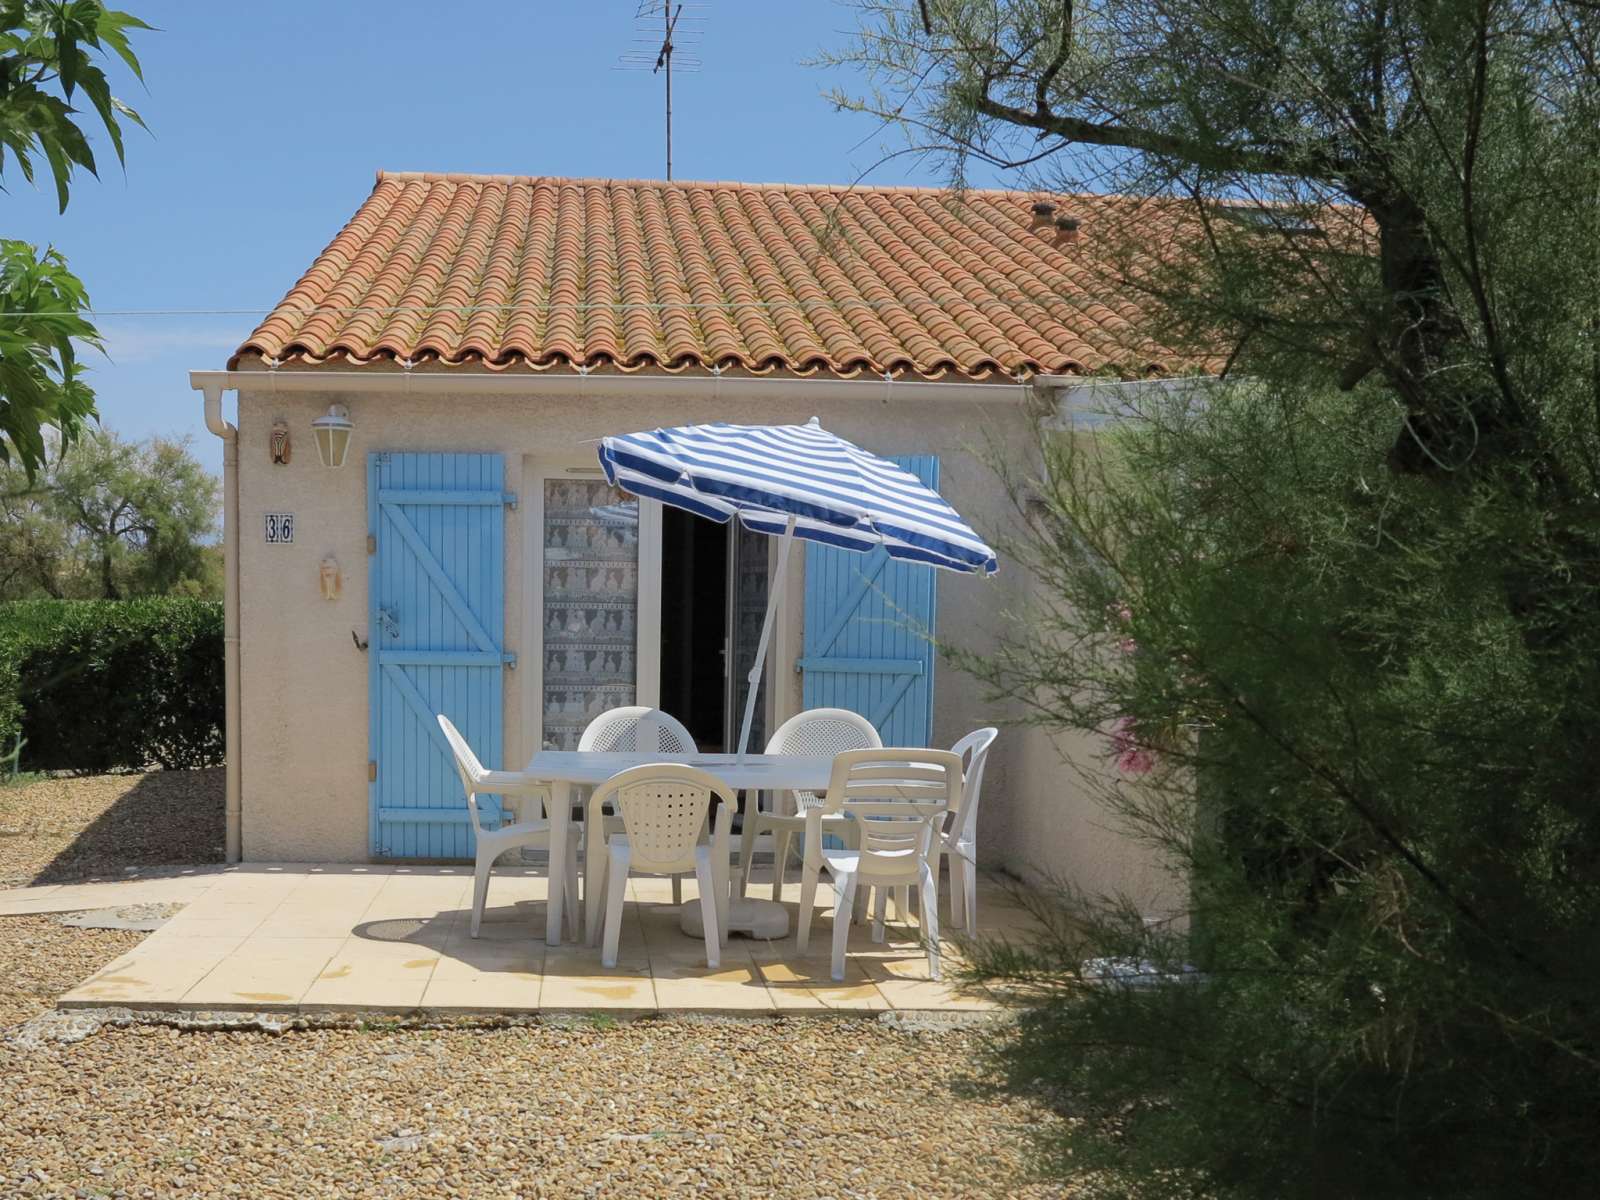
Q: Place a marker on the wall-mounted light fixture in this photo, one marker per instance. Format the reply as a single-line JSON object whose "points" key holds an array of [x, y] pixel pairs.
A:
{"points": [[333, 435]]}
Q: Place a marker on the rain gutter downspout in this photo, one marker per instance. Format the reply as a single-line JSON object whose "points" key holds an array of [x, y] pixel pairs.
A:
{"points": [[232, 810]]}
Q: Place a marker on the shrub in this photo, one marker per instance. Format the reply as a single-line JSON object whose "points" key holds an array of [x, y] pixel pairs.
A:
{"points": [[1369, 758], [10, 711], [108, 685]]}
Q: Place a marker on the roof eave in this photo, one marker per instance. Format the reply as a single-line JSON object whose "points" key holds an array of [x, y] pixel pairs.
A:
{"points": [[459, 382]]}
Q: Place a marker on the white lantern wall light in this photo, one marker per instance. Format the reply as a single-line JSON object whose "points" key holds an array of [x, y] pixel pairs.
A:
{"points": [[333, 430]]}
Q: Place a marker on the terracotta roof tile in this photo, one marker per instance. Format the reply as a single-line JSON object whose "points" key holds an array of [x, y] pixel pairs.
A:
{"points": [[531, 272]]}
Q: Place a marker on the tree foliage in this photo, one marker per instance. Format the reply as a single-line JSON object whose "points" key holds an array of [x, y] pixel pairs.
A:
{"points": [[50, 53], [1461, 129], [108, 519], [1335, 608]]}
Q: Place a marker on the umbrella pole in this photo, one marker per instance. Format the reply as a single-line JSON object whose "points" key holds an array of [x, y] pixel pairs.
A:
{"points": [[774, 593]]}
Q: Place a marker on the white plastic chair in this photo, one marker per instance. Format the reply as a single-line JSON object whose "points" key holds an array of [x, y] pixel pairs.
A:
{"points": [[492, 843], [817, 731], [958, 840], [663, 809], [899, 800], [638, 730]]}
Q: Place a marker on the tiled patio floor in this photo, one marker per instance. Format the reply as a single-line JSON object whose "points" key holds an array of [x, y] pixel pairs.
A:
{"points": [[394, 939]]}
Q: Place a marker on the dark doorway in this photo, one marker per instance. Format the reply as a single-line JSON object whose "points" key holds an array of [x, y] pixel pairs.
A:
{"points": [[694, 624], [713, 599]]}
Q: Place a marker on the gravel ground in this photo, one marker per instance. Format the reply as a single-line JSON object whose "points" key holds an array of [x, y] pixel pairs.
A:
{"points": [[72, 828], [40, 958], [795, 1108]]}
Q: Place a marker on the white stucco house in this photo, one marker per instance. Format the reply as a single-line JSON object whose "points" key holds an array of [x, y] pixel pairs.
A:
{"points": [[464, 340]]}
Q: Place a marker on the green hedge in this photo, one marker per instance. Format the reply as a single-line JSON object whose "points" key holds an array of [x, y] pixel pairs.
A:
{"points": [[100, 685]]}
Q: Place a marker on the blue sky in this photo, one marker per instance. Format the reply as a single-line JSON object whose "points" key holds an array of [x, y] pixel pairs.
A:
{"points": [[268, 121]]}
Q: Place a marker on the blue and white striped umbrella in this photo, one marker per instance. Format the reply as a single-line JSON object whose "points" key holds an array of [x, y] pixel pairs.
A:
{"points": [[795, 481], [835, 492]]}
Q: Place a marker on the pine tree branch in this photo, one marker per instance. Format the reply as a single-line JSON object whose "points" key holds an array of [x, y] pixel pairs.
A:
{"points": [[1321, 165], [1041, 91]]}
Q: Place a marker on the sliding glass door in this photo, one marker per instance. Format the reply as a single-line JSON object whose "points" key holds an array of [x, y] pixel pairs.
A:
{"points": [[747, 608]]}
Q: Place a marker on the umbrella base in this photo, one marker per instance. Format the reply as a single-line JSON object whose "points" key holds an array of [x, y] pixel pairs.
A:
{"points": [[765, 919]]}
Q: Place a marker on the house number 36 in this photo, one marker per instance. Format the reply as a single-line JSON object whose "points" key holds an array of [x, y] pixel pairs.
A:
{"points": [[280, 528]]}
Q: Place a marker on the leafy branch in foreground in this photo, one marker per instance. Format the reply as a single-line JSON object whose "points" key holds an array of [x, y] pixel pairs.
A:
{"points": [[49, 58], [46, 48], [41, 379]]}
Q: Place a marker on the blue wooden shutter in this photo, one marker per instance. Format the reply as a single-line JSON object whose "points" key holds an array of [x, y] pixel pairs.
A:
{"points": [[869, 633], [435, 641]]}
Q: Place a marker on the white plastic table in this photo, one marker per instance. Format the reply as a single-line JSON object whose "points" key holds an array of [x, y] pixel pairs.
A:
{"points": [[563, 769]]}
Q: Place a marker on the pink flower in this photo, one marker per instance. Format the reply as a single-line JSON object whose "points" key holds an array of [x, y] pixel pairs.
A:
{"points": [[1127, 645], [1136, 762], [1132, 758]]}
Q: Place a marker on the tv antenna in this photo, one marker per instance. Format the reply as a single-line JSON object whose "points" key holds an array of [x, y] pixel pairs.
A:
{"points": [[661, 29]]}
